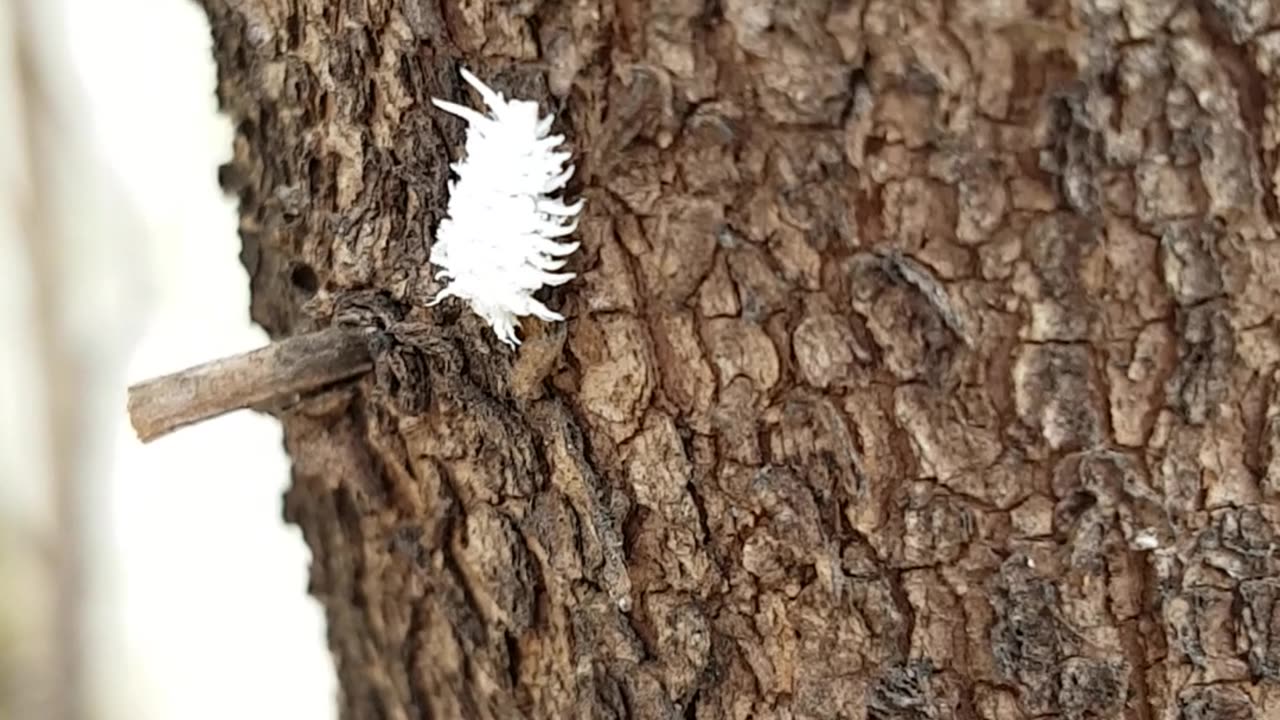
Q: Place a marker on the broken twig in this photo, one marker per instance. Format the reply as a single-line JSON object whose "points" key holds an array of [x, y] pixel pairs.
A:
{"points": [[276, 372]]}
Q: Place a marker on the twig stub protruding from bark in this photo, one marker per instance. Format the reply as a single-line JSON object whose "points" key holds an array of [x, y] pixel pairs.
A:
{"points": [[282, 369]]}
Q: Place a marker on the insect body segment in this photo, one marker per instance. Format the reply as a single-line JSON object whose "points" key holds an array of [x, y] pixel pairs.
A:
{"points": [[499, 243]]}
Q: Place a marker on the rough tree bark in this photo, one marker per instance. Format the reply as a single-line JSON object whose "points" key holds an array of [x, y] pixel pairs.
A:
{"points": [[922, 362]]}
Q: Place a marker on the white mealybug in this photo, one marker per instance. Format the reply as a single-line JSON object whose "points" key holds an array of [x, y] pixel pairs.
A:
{"points": [[498, 243]]}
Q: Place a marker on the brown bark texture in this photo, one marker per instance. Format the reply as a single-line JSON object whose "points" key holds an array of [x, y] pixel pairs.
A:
{"points": [[922, 362]]}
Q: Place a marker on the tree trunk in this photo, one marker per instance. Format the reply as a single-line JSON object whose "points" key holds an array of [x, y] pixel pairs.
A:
{"points": [[922, 362]]}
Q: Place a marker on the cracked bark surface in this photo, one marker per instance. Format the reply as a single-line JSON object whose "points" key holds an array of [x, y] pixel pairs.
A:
{"points": [[923, 361]]}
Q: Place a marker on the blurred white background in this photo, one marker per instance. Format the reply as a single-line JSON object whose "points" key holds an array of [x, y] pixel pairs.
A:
{"points": [[163, 572]]}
